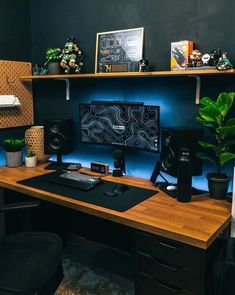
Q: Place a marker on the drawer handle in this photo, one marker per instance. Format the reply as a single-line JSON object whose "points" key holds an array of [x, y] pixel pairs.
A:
{"points": [[172, 267], [169, 246], [164, 285]]}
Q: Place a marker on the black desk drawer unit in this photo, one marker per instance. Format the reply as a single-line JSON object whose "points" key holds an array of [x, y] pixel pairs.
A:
{"points": [[148, 286], [167, 267]]}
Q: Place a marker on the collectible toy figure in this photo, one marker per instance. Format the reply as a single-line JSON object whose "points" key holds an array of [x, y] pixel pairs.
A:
{"points": [[143, 65], [206, 59], [215, 55], [196, 58], [71, 57], [224, 63]]}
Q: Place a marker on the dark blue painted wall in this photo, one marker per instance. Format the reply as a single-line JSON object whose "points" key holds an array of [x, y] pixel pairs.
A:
{"points": [[203, 21], [164, 22]]}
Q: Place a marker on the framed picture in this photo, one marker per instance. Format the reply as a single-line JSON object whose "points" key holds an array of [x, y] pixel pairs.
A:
{"points": [[119, 51]]}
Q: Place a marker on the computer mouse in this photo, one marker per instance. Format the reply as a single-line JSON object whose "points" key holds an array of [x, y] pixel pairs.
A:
{"points": [[119, 188], [171, 188]]}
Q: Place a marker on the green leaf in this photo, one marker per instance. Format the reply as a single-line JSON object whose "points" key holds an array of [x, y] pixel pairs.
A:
{"points": [[207, 145], [207, 158], [224, 102], [206, 101], [225, 157], [206, 124], [210, 114]]}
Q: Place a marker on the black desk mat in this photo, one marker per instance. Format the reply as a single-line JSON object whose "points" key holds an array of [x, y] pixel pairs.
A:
{"points": [[126, 200]]}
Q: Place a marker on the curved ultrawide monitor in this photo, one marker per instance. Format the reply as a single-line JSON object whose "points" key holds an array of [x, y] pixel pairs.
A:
{"points": [[128, 125]]}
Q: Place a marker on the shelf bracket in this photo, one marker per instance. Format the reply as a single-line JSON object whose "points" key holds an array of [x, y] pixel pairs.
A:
{"points": [[198, 89], [67, 85]]}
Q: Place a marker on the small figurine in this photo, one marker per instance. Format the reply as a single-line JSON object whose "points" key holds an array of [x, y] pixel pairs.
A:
{"points": [[196, 58], [143, 65], [224, 63], [71, 56], [206, 59], [215, 55]]}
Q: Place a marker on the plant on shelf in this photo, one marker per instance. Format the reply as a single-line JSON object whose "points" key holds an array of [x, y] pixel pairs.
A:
{"points": [[53, 58], [13, 151], [220, 149]]}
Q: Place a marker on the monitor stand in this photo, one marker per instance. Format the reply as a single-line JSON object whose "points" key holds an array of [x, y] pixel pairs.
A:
{"points": [[58, 165]]}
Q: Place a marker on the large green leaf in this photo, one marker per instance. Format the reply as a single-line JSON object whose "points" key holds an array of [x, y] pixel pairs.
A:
{"points": [[206, 145], [210, 114], [206, 124], [205, 157], [225, 157], [206, 101], [224, 102]]}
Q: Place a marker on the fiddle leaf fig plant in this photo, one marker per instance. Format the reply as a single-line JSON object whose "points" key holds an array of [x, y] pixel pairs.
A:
{"points": [[214, 115]]}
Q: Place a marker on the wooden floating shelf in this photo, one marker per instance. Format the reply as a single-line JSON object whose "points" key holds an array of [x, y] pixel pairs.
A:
{"points": [[132, 74]]}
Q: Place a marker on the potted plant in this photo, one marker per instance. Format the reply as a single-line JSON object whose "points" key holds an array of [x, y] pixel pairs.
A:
{"points": [[214, 115], [53, 57], [30, 159], [13, 151]]}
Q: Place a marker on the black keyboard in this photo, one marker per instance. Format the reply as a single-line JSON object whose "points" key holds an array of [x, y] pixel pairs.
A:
{"points": [[77, 180]]}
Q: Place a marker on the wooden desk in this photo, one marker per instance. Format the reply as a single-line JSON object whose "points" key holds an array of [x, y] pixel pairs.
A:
{"points": [[195, 224]]}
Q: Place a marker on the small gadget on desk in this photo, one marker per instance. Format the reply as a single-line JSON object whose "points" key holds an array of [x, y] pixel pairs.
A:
{"points": [[100, 168], [74, 166], [63, 166]]}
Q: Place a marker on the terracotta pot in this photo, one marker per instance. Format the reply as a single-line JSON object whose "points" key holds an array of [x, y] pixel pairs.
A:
{"points": [[218, 185]]}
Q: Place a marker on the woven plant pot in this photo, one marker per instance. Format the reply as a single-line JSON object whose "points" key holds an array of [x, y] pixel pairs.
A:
{"points": [[34, 141]]}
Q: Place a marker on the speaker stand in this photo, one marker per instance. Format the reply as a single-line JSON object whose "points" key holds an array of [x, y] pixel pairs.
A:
{"points": [[119, 162], [58, 165]]}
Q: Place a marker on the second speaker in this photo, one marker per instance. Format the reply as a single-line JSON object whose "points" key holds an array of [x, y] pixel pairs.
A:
{"points": [[58, 136]]}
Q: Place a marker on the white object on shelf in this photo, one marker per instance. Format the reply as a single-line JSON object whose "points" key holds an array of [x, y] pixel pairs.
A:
{"points": [[7, 101], [233, 208]]}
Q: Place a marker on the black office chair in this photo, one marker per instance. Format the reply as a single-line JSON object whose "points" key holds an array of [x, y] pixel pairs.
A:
{"points": [[30, 262]]}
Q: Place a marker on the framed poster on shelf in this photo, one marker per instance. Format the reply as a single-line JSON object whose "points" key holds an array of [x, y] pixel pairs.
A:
{"points": [[119, 51]]}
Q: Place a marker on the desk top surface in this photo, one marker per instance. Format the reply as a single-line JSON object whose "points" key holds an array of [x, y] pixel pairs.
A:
{"points": [[196, 223]]}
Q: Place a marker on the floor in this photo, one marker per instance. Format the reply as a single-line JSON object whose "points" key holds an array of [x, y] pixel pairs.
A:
{"points": [[93, 269]]}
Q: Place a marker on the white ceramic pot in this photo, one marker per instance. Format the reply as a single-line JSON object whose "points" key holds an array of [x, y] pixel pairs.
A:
{"points": [[31, 161], [13, 159]]}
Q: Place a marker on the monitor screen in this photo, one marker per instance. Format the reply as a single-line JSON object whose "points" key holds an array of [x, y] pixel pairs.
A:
{"points": [[120, 124]]}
